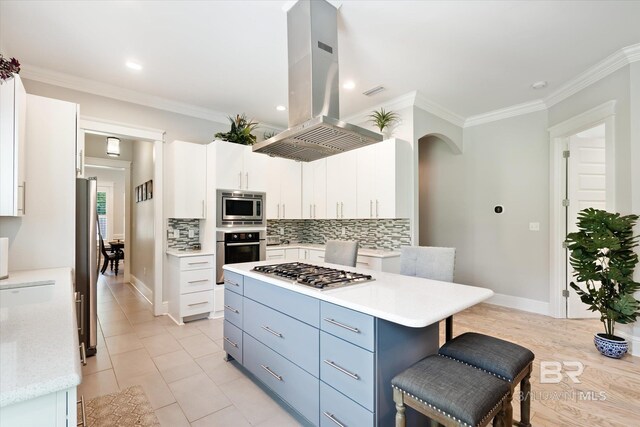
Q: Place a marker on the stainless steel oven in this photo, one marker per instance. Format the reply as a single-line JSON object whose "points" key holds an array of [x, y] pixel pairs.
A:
{"points": [[240, 208], [238, 246]]}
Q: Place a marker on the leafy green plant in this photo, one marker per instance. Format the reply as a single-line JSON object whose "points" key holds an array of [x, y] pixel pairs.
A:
{"points": [[383, 119], [8, 67], [269, 134], [240, 132], [603, 258]]}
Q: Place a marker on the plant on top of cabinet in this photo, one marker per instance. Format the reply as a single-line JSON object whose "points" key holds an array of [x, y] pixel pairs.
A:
{"points": [[240, 132], [383, 119], [269, 134], [8, 67]]}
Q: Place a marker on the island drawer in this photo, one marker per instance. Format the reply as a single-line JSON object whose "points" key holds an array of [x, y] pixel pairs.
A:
{"points": [[348, 368], [196, 303], [233, 308], [292, 383], [292, 338], [196, 262], [336, 408], [353, 326], [196, 280], [296, 305], [233, 281], [232, 340]]}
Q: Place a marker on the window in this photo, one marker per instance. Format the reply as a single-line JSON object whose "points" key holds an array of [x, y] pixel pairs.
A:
{"points": [[102, 213]]}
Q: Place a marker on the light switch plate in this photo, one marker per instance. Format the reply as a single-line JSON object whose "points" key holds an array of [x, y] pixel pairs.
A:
{"points": [[192, 233], [534, 226], [176, 234]]}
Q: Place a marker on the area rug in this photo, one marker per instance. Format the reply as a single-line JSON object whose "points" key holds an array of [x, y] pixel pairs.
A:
{"points": [[128, 407]]}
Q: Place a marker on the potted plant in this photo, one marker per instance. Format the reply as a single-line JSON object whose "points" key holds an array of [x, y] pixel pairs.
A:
{"points": [[383, 120], [240, 132], [601, 253], [8, 67]]}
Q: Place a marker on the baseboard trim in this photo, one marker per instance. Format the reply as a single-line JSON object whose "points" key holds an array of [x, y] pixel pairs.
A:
{"points": [[141, 287], [634, 342], [519, 303]]}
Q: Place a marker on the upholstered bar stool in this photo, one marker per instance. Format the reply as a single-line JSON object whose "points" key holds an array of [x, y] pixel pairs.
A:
{"points": [[506, 360], [341, 252], [450, 393]]}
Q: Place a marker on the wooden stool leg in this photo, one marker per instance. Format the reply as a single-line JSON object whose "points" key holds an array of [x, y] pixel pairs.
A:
{"points": [[433, 423], [499, 420], [525, 402], [508, 410], [398, 398]]}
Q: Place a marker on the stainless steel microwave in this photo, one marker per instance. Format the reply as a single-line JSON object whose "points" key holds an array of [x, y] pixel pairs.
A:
{"points": [[240, 208]]}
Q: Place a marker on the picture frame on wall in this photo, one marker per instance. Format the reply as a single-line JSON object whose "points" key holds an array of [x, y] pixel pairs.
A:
{"points": [[144, 191], [150, 189], [137, 194]]}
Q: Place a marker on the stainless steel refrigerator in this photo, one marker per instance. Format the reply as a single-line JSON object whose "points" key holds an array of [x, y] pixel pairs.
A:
{"points": [[87, 262]]}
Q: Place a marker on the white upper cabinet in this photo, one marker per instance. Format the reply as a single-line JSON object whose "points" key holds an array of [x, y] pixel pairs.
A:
{"points": [[284, 188], [13, 111], [341, 185], [239, 168], [314, 189], [383, 183], [186, 169]]}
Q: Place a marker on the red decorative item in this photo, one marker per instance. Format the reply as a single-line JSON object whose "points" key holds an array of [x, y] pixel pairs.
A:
{"points": [[8, 67]]}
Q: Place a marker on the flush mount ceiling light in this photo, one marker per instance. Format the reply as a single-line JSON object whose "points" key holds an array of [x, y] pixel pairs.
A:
{"points": [[134, 65], [349, 85], [539, 85], [281, 108], [113, 146]]}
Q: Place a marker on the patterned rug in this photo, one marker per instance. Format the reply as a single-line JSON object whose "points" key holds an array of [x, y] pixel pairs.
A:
{"points": [[128, 407]]}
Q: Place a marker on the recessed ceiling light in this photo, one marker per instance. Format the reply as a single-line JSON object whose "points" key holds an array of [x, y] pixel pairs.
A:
{"points": [[281, 108], [349, 84], [539, 85], [134, 65]]}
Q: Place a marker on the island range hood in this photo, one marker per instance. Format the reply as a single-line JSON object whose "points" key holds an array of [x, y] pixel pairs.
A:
{"points": [[314, 130]]}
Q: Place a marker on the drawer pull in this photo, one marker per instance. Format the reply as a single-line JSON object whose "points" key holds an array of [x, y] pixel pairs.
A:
{"points": [[197, 303], [273, 374], [231, 342], [199, 262], [342, 325], [333, 418], [341, 369], [271, 331], [198, 281], [83, 423], [228, 307], [83, 354], [227, 282]]}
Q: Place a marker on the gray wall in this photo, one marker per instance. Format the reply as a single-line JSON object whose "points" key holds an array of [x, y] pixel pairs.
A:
{"points": [[96, 146], [142, 216]]}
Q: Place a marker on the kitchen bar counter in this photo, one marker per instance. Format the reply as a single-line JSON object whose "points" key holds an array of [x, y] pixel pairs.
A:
{"points": [[38, 335], [376, 253], [188, 252]]}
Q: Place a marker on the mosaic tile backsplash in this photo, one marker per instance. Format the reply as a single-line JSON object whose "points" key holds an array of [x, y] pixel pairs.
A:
{"points": [[370, 233], [184, 225]]}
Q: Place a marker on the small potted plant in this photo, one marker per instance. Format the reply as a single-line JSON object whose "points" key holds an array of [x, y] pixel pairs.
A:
{"points": [[8, 67], [384, 120], [603, 259], [240, 132]]}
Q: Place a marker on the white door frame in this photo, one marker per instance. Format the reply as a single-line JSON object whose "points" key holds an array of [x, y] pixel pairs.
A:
{"points": [[558, 136], [157, 137]]}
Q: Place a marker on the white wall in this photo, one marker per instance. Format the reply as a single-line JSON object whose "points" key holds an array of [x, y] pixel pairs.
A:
{"points": [[117, 178], [142, 217]]}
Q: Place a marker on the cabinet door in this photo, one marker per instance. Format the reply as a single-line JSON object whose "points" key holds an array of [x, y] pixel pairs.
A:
{"points": [[229, 165], [189, 179], [366, 190], [308, 194], [255, 170], [274, 169], [341, 185], [290, 189], [384, 180], [320, 189], [12, 151], [292, 254]]}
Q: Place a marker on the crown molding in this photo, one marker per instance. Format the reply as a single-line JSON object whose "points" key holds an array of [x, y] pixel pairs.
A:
{"points": [[438, 110], [398, 103], [584, 120], [505, 113], [110, 91]]}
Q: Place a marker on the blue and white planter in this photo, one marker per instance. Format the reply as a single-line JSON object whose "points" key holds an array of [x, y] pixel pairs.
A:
{"points": [[611, 348]]}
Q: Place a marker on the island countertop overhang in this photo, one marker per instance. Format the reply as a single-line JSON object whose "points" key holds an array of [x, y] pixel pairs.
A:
{"points": [[406, 300]]}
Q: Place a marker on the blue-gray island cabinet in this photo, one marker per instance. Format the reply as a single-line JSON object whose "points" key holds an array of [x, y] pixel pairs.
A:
{"points": [[330, 355]]}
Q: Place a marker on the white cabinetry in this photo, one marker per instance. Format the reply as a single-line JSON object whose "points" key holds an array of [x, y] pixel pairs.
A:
{"points": [[284, 189], [341, 185], [191, 281], [383, 180], [80, 147], [186, 182], [58, 409], [13, 102], [314, 189], [239, 168]]}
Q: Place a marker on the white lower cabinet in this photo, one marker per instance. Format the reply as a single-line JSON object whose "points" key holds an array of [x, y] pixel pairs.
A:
{"points": [[58, 409], [191, 287]]}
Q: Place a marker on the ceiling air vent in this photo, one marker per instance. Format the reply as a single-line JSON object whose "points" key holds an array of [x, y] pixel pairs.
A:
{"points": [[373, 90]]}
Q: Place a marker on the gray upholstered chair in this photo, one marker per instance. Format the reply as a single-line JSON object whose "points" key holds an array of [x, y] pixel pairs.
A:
{"points": [[341, 252]]}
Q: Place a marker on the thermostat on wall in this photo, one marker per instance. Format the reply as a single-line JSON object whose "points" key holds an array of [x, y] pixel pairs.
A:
{"points": [[498, 209]]}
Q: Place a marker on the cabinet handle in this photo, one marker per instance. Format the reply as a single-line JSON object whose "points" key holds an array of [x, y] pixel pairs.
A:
{"points": [[341, 210], [228, 307], [342, 325], [315, 214], [278, 210], [276, 376], [203, 209], [337, 210], [240, 180], [83, 423], [246, 181], [81, 312], [24, 197], [199, 262], [341, 369], [377, 206], [284, 215], [332, 418], [83, 354], [370, 208], [198, 281], [231, 342], [229, 282], [271, 331], [81, 163], [197, 303], [310, 211]]}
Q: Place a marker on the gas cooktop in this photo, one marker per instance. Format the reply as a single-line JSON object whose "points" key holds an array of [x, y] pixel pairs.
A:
{"points": [[322, 278]]}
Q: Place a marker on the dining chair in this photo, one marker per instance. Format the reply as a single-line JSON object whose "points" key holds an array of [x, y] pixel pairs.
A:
{"points": [[108, 256], [341, 252]]}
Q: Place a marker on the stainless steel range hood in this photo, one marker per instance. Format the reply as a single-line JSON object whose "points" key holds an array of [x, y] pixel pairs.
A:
{"points": [[314, 128]]}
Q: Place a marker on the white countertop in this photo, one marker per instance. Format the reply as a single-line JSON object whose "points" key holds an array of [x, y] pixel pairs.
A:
{"points": [[406, 300], [376, 253], [189, 252], [38, 335]]}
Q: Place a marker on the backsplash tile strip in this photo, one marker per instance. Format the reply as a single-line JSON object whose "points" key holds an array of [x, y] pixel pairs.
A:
{"points": [[370, 233], [183, 225]]}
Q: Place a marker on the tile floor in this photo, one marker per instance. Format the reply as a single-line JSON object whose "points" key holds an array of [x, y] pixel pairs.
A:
{"points": [[181, 368]]}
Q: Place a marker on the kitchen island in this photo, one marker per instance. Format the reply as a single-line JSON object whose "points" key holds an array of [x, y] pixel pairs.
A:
{"points": [[331, 354]]}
